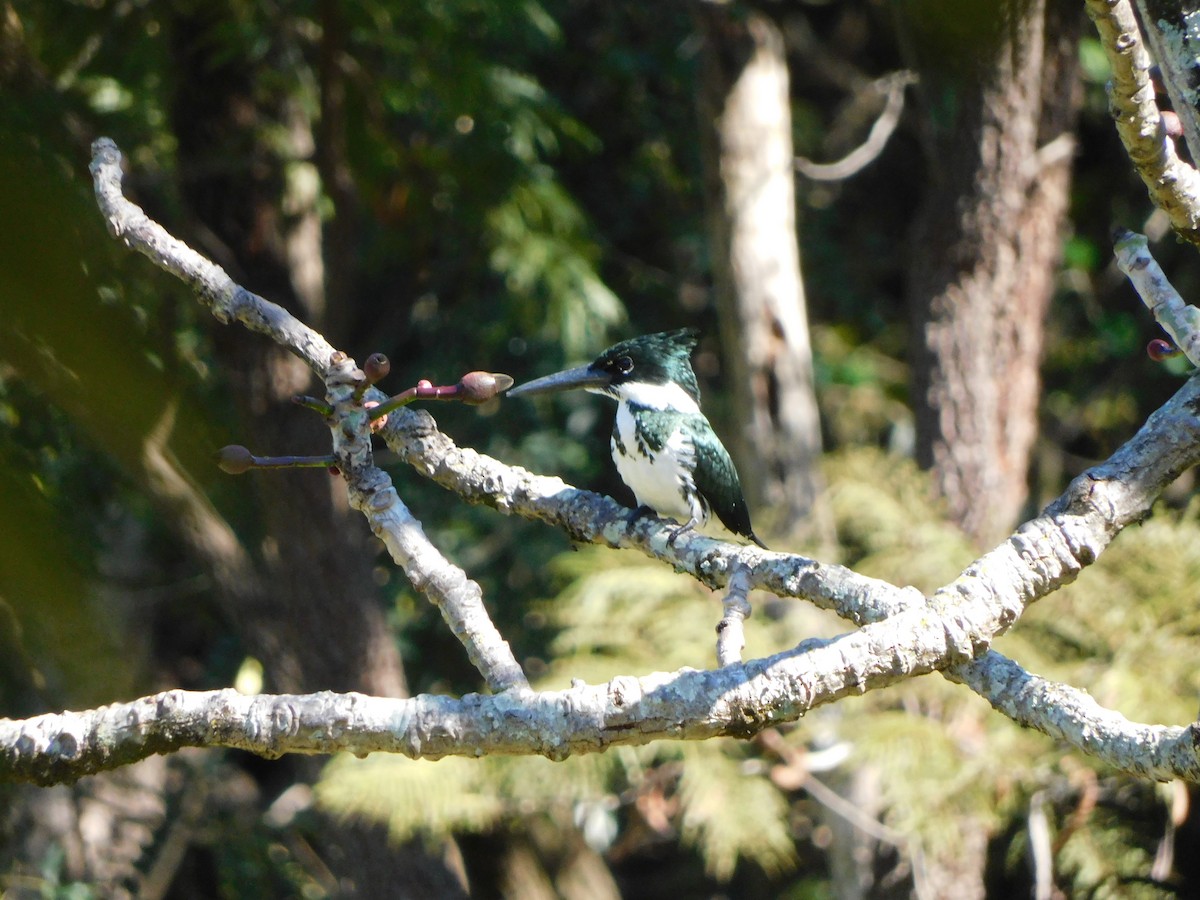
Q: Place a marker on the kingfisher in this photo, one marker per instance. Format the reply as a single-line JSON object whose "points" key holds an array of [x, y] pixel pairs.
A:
{"points": [[664, 448]]}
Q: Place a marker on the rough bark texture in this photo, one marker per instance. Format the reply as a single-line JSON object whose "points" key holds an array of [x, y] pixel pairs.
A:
{"points": [[1173, 184], [985, 245], [746, 140], [1172, 30]]}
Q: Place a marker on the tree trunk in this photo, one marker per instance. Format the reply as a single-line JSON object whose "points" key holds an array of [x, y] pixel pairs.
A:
{"points": [[746, 142], [999, 104]]}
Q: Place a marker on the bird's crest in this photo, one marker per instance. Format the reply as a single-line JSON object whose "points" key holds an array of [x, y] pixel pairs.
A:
{"points": [[659, 358]]}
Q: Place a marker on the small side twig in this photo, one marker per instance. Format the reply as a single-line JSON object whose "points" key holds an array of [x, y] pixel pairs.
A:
{"points": [[371, 492], [1178, 318], [731, 637], [473, 388], [237, 460], [892, 86]]}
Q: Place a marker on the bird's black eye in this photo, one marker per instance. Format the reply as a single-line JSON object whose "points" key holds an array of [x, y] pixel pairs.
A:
{"points": [[623, 364]]}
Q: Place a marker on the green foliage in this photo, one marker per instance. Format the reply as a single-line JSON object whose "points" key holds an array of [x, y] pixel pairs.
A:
{"points": [[538, 246], [455, 130], [91, 385], [1136, 604], [1111, 858], [731, 812], [943, 761], [727, 810], [52, 886], [864, 382], [935, 776], [415, 796], [1093, 61], [617, 612], [889, 522], [602, 625]]}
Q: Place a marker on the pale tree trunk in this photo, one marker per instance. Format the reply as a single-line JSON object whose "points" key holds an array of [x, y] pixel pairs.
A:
{"points": [[746, 142], [999, 108]]}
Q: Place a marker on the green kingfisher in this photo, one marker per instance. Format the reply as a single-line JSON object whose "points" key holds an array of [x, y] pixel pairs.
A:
{"points": [[664, 447]]}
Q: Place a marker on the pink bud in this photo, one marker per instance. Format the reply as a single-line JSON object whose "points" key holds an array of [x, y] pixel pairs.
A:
{"points": [[479, 387], [1160, 350], [1171, 124], [376, 367]]}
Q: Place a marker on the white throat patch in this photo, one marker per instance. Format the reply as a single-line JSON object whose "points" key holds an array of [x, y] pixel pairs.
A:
{"points": [[657, 396]]}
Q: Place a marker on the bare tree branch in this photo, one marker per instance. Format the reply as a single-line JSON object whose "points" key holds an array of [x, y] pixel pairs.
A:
{"points": [[731, 637], [891, 87], [228, 301], [902, 634], [1179, 319], [458, 598], [739, 699], [1066, 713], [1174, 185]]}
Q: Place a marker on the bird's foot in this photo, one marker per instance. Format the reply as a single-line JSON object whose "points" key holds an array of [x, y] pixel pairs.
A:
{"points": [[676, 532]]}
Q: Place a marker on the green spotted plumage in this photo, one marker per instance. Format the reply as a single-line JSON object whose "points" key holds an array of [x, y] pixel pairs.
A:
{"points": [[664, 448]]}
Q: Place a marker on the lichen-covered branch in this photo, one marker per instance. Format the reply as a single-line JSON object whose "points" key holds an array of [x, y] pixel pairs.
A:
{"points": [[903, 633], [731, 636], [1173, 35], [1066, 713], [740, 699], [457, 597], [370, 489], [1041, 556], [227, 300], [591, 518], [1174, 185], [1179, 319]]}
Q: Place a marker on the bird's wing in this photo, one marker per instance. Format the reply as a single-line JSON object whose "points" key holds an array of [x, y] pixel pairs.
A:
{"points": [[716, 478]]}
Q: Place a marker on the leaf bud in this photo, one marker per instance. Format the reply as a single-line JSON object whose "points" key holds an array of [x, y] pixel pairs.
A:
{"points": [[1160, 350], [376, 367], [234, 459], [479, 387], [1171, 124]]}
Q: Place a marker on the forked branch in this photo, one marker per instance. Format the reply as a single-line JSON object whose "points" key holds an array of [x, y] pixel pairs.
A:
{"points": [[902, 634]]}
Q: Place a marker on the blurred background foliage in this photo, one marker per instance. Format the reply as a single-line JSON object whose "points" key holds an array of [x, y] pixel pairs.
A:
{"points": [[523, 181]]}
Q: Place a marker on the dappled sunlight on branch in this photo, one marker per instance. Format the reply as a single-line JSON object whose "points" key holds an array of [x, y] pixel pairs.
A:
{"points": [[901, 633]]}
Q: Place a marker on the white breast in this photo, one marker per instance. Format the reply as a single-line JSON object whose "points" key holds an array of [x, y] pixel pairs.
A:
{"points": [[660, 480]]}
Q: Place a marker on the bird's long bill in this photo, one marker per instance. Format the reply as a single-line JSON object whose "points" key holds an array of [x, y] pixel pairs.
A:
{"points": [[568, 380]]}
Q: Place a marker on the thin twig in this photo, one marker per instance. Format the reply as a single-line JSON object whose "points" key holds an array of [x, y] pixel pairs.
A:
{"points": [[731, 637], [892, 86]]}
